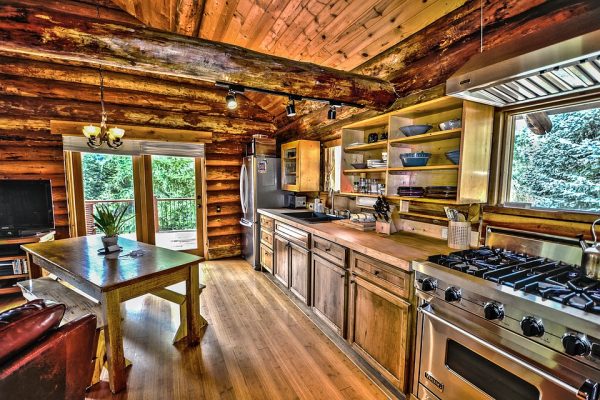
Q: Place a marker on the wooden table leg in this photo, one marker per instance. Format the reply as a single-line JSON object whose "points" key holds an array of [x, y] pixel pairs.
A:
{"points": [[192, 292], [34, 270], [114, 340]]}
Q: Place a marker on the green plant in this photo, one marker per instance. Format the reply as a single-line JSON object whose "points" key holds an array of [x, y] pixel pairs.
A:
{"points": [[110, 222]]}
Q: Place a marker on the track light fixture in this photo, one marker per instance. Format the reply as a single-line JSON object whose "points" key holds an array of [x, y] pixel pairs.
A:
{"points": [[332, 113], [291, 107], [230, 100]]}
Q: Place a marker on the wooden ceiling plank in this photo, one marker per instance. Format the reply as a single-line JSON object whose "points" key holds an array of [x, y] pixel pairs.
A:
{"points": [[225, 20], [82, 9], [213, 9], [382, 36], [42, 33], [293, 8], [252, 14], [294, 34], [234, 34], [256, 34], [188, 17]]}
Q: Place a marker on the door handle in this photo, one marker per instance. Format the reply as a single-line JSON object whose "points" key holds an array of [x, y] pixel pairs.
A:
{"points": [[245, 222]]}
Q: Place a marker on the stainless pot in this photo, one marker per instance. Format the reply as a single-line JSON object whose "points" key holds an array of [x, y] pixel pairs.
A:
{"points": [[590, 260]]}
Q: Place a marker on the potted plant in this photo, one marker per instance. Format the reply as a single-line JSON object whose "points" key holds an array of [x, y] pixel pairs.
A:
{"points": [[110, 222]]}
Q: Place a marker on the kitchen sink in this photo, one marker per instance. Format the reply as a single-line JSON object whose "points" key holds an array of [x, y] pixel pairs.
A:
{"points": [[312, 217]]}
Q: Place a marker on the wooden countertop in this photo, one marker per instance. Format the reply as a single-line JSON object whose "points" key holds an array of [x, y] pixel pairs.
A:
{"points": [[398, 249]]}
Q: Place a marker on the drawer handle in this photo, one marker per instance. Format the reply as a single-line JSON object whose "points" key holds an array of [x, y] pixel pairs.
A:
{"points": [[328, 249], [342, 275]]}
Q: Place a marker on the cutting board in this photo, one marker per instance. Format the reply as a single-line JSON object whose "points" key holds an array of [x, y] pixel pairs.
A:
{"points": [[361, 226]]}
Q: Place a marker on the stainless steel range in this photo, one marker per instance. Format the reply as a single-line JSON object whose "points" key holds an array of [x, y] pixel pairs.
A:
{"points": [[515, 320]]}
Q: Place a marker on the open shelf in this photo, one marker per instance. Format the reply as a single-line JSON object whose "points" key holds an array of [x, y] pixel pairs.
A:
{"points": [[382, 144], [359, 194], [11, 258], [424, 199], [10, 289], [4, 277], [426, 216], [428, 137], [424, 168], [364, 171]]}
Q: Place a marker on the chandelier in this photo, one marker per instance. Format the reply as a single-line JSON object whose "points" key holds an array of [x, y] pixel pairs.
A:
{"points": [[95, 135]]}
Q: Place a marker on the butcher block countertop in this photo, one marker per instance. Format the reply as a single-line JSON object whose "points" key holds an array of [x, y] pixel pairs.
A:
{"points": [[398, 249]]}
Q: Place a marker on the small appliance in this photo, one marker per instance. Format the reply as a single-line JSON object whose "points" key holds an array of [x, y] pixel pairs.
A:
{"points": [[292, 200]]}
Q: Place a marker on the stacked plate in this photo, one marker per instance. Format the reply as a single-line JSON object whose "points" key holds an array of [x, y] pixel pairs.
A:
{"points": [[441, 192], [411, 191], [376, 164], [453, 156]]}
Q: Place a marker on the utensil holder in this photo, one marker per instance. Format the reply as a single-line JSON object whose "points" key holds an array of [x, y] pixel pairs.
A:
{"points": [[387, 228], [459, 235]]}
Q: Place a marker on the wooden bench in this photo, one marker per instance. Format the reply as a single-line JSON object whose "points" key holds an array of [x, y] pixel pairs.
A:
{"points": [[77, 305], [176, 295]]}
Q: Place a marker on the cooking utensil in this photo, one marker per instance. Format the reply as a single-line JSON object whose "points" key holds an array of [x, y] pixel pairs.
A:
{"points": [[414, 130], [590, 259]]}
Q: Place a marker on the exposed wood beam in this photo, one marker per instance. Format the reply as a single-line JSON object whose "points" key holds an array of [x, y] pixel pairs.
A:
{"points": [[43, 33], [59, 109], [95, 9], [188, 17]]}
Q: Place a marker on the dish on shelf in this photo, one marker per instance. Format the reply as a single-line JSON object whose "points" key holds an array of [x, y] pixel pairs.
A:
{"points": [[356, 144], [414, 130], [410, 191], [453, 156], [418, 159], [441, 192], [359, 165], [451, 124], [376, 164]]}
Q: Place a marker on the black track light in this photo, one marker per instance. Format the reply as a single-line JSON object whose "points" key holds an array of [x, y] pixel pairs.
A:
{"points": [[291, 108], [230, 100], [331, 114]]}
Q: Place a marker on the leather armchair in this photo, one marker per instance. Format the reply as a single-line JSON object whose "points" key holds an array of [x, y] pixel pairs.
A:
{"points": [[39, 359]]}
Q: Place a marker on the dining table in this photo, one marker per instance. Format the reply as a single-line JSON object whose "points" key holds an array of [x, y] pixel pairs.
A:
{"points": [[137, 269]]}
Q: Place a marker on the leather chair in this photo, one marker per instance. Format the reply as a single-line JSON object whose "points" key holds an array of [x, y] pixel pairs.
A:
{"points": [[39, 359]]}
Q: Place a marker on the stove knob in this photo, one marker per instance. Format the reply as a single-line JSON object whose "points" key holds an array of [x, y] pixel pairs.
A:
{"points": [[429, 285], [493, 310], [532, 326], [575, 345], [452, 294]]}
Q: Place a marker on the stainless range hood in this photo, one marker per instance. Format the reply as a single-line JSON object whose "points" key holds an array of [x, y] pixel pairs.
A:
{"points": [[546, 64]]}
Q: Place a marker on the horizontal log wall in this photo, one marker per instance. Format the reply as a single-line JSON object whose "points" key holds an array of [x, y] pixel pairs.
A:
{"points": [[34, 92]]}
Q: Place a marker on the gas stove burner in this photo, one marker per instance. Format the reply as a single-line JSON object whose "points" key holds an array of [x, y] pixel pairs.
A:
{"points": [[549, 279]]}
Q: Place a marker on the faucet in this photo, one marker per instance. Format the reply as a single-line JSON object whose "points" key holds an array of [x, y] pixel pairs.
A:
{"points": [[332, 197]]}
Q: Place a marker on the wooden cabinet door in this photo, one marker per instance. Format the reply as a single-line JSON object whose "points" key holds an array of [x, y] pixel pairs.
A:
{"points": [[299, 272], [266, 257], [378, 329], [282, 255], [329, 293]]}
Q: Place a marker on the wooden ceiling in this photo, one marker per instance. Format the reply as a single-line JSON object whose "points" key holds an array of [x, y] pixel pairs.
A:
{"points": [[341, 34]]}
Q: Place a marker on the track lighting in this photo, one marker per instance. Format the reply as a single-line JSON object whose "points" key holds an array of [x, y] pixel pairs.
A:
{"points": [[291, 108], [230, 100], [331, 113]]}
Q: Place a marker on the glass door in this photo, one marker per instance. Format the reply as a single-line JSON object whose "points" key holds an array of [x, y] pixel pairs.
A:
{"points": [[289, 177]]}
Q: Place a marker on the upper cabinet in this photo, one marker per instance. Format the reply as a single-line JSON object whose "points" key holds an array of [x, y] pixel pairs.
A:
{"points": [[300, 166], [453, 167]]}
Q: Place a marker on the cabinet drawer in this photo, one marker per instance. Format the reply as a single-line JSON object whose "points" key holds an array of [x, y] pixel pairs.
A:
{"points": [[266, 258], [266, 223], [329, 250], [385, 275], [292, 234], [266, 237]]}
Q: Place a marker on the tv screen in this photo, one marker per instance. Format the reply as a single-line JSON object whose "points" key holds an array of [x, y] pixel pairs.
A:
{"points": [[26, 205]]}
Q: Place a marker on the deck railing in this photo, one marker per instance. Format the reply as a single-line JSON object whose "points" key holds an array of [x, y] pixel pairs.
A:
{"points": [[175, 214]]}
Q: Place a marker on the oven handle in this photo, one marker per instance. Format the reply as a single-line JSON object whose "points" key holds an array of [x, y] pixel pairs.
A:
{"points": [[588, 391]]}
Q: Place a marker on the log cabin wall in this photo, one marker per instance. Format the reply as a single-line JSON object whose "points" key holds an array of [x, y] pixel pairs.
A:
{"points": [[33, 92]]}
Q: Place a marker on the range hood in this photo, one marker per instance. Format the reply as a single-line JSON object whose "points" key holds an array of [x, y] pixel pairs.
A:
{"points": [[546, 64]]}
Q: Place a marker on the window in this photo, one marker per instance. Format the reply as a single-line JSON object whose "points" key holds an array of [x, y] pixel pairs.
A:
{"points": [[555, 158]]}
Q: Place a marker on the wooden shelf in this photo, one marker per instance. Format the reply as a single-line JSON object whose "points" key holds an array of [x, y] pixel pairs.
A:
{"points": [[417, 215], [358, 194], [382, 144], [289, 158], [11, 258], [428, 137], [425, 168], [424, 199], [10, 289], [364, 171], [4, 277]]}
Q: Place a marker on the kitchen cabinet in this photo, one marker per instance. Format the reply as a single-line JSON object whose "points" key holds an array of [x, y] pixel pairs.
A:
{"points": [[329, 292], [301, 166], [299, 272], [292, 260], [281, 268], [266, 243], [381, 317]]}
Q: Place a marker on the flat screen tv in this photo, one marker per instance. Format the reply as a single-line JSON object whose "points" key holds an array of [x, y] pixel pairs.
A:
{"points": [[25, 207]]}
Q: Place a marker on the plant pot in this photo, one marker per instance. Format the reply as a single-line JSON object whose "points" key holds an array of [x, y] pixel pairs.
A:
{"points": [[108, 241]]}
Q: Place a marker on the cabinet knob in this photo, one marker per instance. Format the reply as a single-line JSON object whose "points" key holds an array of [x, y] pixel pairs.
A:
{"points": [[327, 249], [342, 275], [376, 272]]}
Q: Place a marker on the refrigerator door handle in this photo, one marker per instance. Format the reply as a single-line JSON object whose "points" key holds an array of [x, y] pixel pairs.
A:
{"points": [[245, 222], [243, 188]]}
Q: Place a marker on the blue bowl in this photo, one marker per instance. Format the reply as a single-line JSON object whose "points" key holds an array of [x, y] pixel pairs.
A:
{"points": [[415, 159], [453, 156], [414, 130]]}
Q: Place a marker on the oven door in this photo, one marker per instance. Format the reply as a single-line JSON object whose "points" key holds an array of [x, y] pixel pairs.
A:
{"points": [[456, 365]]}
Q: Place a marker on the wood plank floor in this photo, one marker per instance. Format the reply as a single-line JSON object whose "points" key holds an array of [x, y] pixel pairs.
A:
{"points": [[258, 345]]}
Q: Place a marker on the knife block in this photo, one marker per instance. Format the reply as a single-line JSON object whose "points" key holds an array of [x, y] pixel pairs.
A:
{"points": [[387, 228]]}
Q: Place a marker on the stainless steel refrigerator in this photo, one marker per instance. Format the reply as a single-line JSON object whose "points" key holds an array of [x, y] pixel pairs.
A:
{"points": [[260, 187]]}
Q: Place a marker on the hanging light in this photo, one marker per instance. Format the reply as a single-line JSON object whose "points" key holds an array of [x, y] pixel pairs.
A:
{"points": [[230, 100], [95, 135], [331, 114], [291, 108]]}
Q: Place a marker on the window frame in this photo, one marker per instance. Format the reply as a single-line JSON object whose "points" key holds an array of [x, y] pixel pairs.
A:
{"points": [[502, 158]]}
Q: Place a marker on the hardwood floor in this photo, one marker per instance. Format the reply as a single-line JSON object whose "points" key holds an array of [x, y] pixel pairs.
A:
{"points": [[258, 345]]}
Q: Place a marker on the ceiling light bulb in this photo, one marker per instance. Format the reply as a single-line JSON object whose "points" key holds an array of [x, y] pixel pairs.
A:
{"points": [[231, 100], [291, 109], [331, 113], [91, 131], [116, 133]]}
